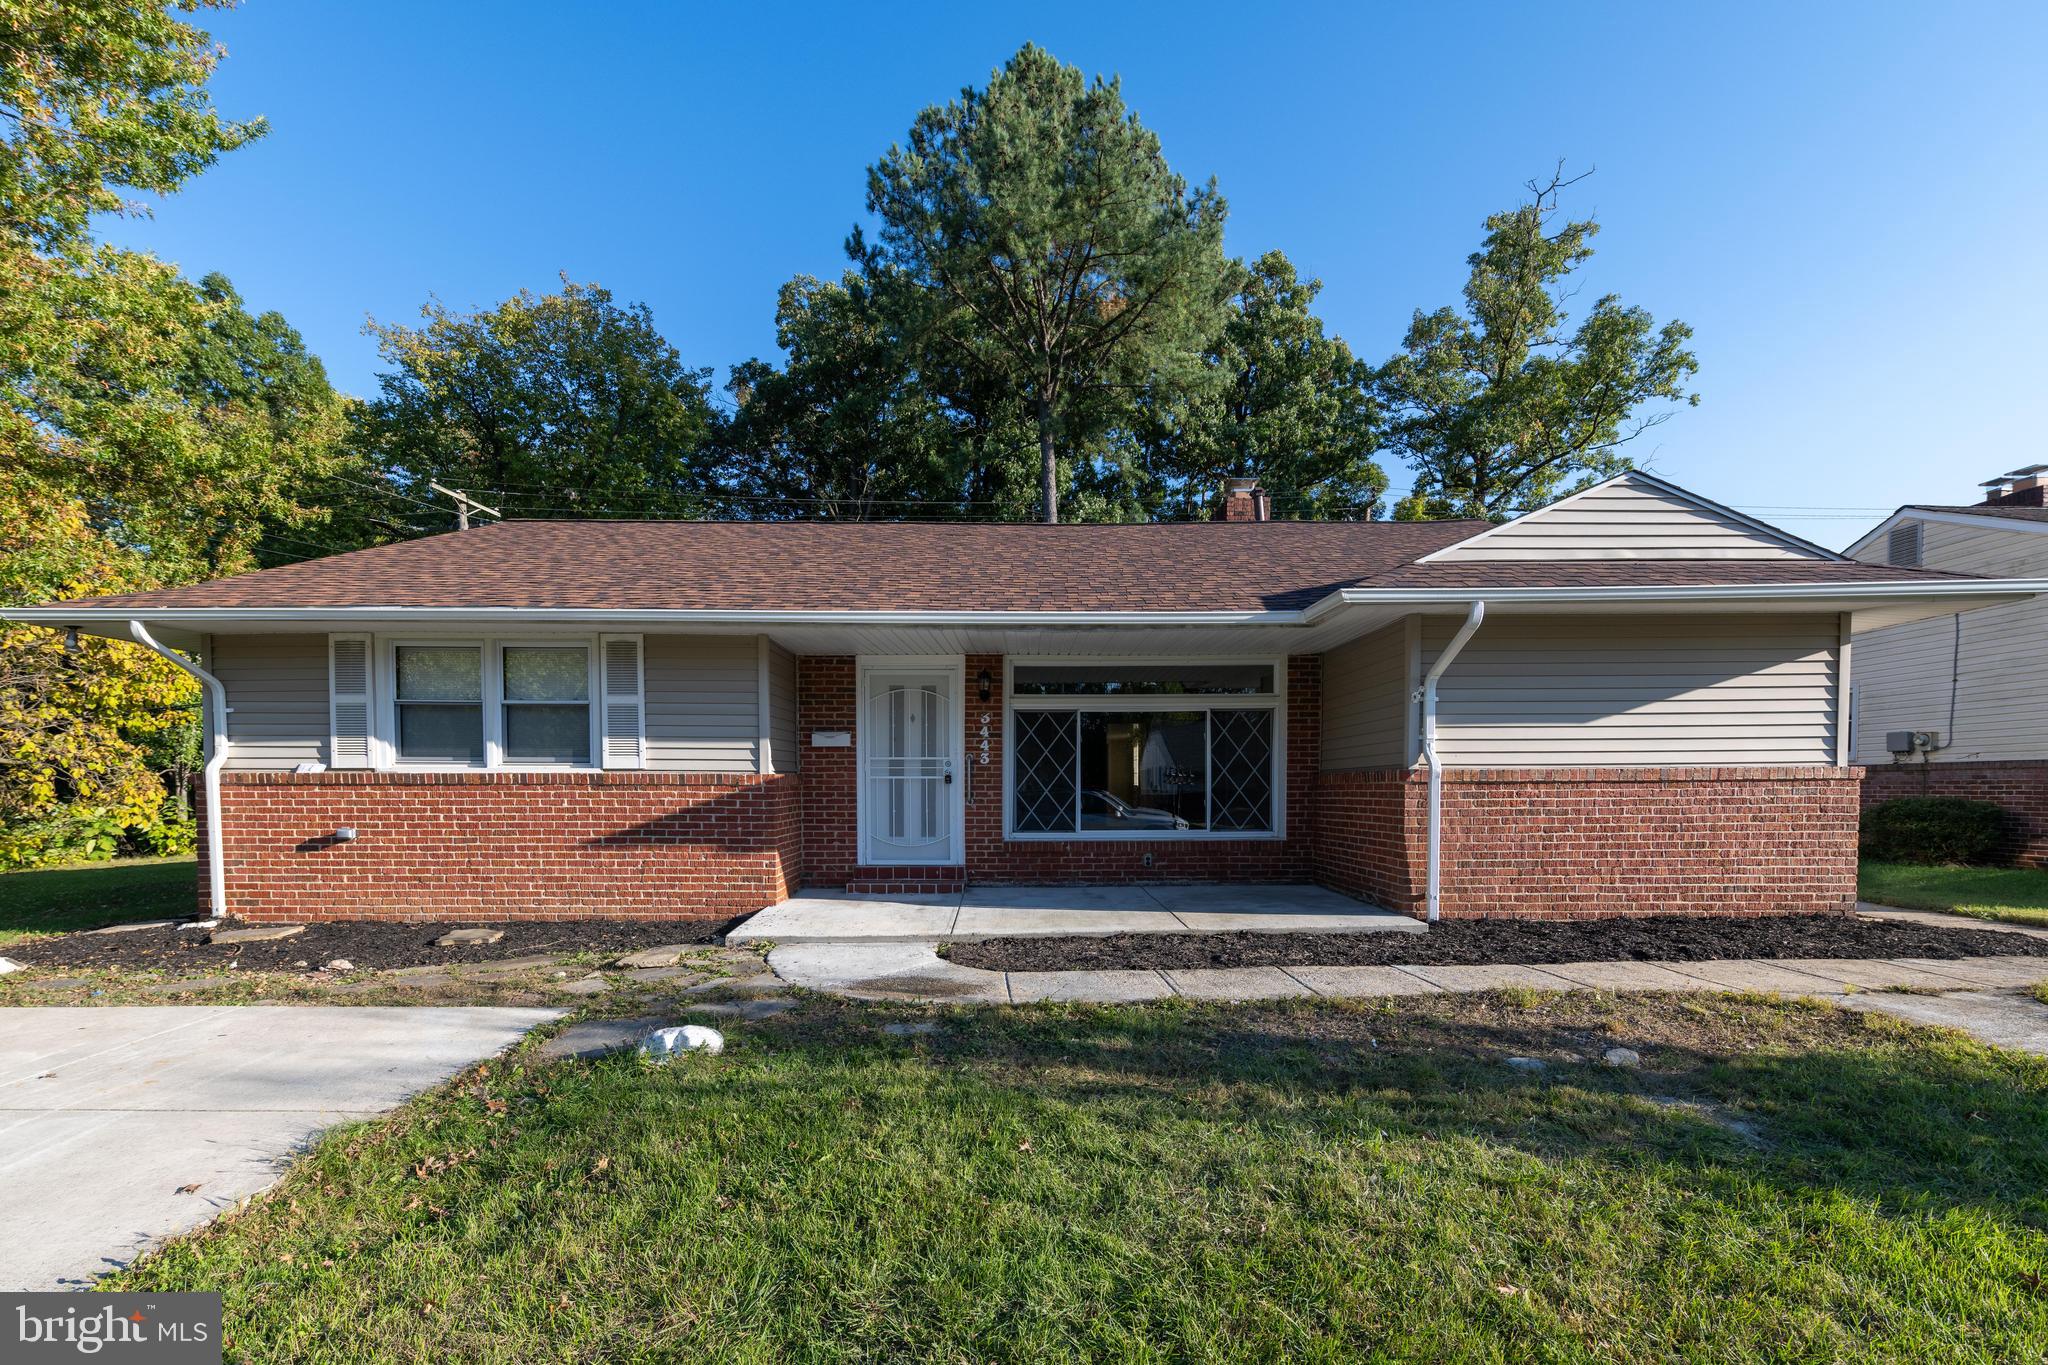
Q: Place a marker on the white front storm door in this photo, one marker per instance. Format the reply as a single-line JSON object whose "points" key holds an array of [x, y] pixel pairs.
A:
{"points": [[909, 790]]}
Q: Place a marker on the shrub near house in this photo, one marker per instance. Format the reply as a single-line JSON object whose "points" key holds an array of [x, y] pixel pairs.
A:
{"points": [[1934, 829]]}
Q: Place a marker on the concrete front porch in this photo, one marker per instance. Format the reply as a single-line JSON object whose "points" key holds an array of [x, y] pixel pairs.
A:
{"points": [[979, 912]]}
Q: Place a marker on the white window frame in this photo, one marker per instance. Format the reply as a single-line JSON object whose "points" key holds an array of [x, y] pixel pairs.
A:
{"points": [[1276, 702], [384, 742]]}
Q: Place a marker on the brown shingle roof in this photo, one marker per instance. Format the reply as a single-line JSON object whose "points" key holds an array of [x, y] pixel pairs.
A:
{"points": [[933, 566], [840, 566]]}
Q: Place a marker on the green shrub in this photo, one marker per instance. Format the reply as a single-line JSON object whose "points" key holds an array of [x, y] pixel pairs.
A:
{"points": [[1934, 829]]}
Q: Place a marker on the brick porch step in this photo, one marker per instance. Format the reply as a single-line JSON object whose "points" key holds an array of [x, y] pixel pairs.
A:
{"points": [[907, 881]]}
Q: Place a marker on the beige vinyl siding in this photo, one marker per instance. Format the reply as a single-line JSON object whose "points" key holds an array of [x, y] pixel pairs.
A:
{"points": [[785, 753], [1365, 701], [703, 703], [1626, 520], [277, 699], [1638, 691], [1903, 673]]}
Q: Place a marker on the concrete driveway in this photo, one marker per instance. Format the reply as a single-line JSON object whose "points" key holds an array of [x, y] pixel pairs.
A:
{"points": [[106, 1115]]}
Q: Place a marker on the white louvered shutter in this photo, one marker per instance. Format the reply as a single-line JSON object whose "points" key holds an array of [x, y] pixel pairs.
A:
{"points": [[348, 693], [624, 703]]}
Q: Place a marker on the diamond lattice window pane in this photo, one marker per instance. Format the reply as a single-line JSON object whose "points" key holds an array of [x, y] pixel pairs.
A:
{"points": [[1241, 770], [1043, 770]]}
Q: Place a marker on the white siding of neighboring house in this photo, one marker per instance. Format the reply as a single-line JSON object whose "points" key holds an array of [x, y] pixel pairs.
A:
{"points": [[785, 753], [1903, 674], [1366, 685], [277, 698], [1627, 519], [703, 700], [1638, 691]]}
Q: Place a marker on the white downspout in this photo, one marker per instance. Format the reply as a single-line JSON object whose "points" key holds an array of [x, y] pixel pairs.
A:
{"points": [[216, 756], [1427, 695]]}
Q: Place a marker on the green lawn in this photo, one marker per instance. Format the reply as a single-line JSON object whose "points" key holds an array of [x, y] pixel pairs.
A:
{"points": [[61, 899], [2015, 894], [1290, 1182]]}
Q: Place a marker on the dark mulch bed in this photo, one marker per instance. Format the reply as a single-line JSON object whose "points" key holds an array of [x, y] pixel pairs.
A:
{"points": [[369, 945], [1481, 942]]}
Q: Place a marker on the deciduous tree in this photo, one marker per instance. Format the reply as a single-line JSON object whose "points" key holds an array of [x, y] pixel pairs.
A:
{"points": [[562, 404], [1504, 406]]}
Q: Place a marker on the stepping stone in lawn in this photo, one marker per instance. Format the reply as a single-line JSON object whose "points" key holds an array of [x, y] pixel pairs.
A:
{"points": [[910, 1030], [510, 966], [596, 1037], [255, 933], [456, 938], [748, 1009], [190, 983], [589, 985], [666, 955], [659, 973], [56, 983]]}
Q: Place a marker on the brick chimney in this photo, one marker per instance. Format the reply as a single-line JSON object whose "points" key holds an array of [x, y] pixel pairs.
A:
{"points": [[2021, 488], [1244, 500]]}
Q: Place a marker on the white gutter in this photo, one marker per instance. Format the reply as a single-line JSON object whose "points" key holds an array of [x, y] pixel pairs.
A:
{"points": [[1704, 595], [84, 612], [216, 757], [1427, 694], [1679, 595]]}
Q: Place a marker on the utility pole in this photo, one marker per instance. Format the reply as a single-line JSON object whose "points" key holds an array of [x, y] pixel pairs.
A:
{"points": [[463, 504]]}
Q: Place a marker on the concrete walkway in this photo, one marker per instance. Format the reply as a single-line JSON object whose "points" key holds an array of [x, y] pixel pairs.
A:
{"points": [[982, 912], [916, 972], [123, 1126]]}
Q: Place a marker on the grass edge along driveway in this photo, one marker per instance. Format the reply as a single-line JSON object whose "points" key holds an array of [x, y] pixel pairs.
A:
{"points": [[2016, 895], [1312, 1181]]}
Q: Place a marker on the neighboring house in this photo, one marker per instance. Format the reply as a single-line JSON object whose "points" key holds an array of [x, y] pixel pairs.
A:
{"points": [[1961, 695], [1641, 710]]}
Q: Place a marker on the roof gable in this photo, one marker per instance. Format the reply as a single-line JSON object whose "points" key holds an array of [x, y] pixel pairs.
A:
{"points": [[1631, 516]]}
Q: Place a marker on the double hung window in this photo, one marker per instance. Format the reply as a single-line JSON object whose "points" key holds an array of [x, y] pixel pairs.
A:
{"points": [[491, 704]]}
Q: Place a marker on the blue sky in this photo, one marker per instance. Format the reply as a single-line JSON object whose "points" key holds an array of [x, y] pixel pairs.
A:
{"points": [[1846, 202]]}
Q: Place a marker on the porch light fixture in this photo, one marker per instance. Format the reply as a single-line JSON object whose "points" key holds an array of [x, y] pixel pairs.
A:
{"points": [[984, 683]]}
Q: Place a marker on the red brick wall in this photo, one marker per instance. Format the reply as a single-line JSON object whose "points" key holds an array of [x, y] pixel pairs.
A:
{"points": [[825, 701], [502, 846], [1580, 843], [2019, 785]]}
